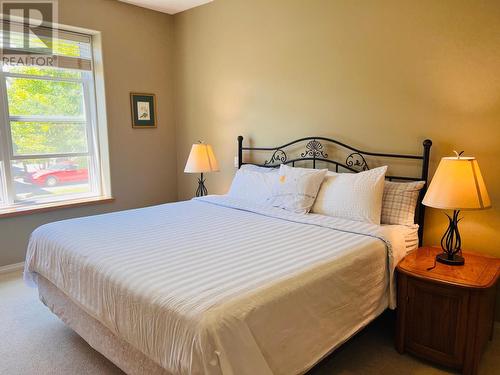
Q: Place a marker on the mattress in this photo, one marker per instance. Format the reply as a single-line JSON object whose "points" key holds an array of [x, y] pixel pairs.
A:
{"points": [[220, 286], [118, 351]]}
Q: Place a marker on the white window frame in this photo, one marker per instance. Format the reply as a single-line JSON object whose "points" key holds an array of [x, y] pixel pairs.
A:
{"points": [[96, 130]]}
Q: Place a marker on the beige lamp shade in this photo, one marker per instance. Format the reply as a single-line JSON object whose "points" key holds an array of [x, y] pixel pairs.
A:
{"points": [[457, 185], [201, 159]]}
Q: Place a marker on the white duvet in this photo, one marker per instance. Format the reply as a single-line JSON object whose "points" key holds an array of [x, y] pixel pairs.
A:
{"points": [[219, 286]]}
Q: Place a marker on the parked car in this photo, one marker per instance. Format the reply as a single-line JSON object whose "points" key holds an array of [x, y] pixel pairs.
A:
{"points": [[59, 173]]}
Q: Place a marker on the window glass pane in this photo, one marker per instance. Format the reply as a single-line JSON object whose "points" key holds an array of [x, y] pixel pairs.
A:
{"points": [[29, 138], [43, 71], [50, 179], [59, 46], [51, 112], [71, 48], [38, 97]]}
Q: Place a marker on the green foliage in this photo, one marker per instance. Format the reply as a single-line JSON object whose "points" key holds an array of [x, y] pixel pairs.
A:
{"points": [[39, 97], [42, 97], [47, 138]]}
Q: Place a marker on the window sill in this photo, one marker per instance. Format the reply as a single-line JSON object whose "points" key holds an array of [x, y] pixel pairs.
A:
{"points": [[28, 210]]}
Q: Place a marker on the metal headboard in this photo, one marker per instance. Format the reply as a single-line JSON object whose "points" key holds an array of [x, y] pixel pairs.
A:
{"points": [[315, 151]]}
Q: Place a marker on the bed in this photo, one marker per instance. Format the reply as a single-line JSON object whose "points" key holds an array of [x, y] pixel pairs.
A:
{"points": [[215, 285]]}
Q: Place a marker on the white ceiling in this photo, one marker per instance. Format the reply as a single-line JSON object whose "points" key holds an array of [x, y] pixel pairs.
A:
{"points": [[167, 6]]}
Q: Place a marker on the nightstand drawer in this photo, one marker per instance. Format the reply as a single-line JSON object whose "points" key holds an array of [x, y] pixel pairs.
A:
{"points": [[436, 319]]}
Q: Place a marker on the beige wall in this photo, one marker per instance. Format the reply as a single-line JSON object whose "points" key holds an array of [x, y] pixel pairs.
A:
{"points": [[137, 51], [382, 75]]}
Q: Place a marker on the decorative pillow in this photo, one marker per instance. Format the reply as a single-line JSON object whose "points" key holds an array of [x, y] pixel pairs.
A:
{"points": [[254, 184], [353, 196], [400, 201], [297, 188]]}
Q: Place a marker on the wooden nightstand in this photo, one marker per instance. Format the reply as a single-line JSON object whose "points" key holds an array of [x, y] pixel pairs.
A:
{"points": [[446, 314]]}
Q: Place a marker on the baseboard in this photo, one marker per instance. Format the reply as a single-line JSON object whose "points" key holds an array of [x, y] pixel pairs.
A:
{"points": [[11, 268]]}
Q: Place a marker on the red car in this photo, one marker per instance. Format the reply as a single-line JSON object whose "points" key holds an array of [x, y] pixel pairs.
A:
{"points": [[60, 173]]}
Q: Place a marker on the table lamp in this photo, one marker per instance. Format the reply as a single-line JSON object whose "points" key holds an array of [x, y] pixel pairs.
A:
{"points": [[456, 185], [201, 160]]}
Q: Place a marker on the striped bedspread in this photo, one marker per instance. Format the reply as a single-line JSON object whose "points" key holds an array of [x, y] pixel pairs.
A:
{"points": [[218, 286]]}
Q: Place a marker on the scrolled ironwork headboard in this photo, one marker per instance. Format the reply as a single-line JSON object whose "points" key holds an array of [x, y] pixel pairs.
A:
{"points": [[315, 150]]}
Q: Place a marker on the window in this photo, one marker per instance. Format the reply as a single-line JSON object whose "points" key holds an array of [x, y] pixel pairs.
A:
{"points": [[50, 137]]}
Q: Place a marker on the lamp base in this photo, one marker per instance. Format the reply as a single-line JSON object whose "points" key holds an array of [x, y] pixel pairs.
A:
{"points": [[455, 260], [451, 243], [202, 190]]}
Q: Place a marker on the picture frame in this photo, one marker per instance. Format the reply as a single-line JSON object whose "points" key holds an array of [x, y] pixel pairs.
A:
{"points": [[143, 109]]}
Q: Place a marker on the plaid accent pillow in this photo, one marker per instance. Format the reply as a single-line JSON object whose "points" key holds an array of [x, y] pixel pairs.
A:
{"points": [[400, 201]]}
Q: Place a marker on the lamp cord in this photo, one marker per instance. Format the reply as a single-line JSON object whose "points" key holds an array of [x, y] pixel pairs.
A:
{"points": [[434, 266]]}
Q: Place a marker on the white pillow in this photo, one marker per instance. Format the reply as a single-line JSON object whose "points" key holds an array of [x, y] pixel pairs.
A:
{"points": [[254, 184], [400, 201], [257, 168], [353, 196], [297, 188]]}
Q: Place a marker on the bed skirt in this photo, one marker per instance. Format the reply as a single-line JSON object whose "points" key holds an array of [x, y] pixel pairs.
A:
{"points": [[122, 354]]}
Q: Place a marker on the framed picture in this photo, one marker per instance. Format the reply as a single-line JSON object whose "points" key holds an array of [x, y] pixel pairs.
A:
{"points": [[143, 110]]}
